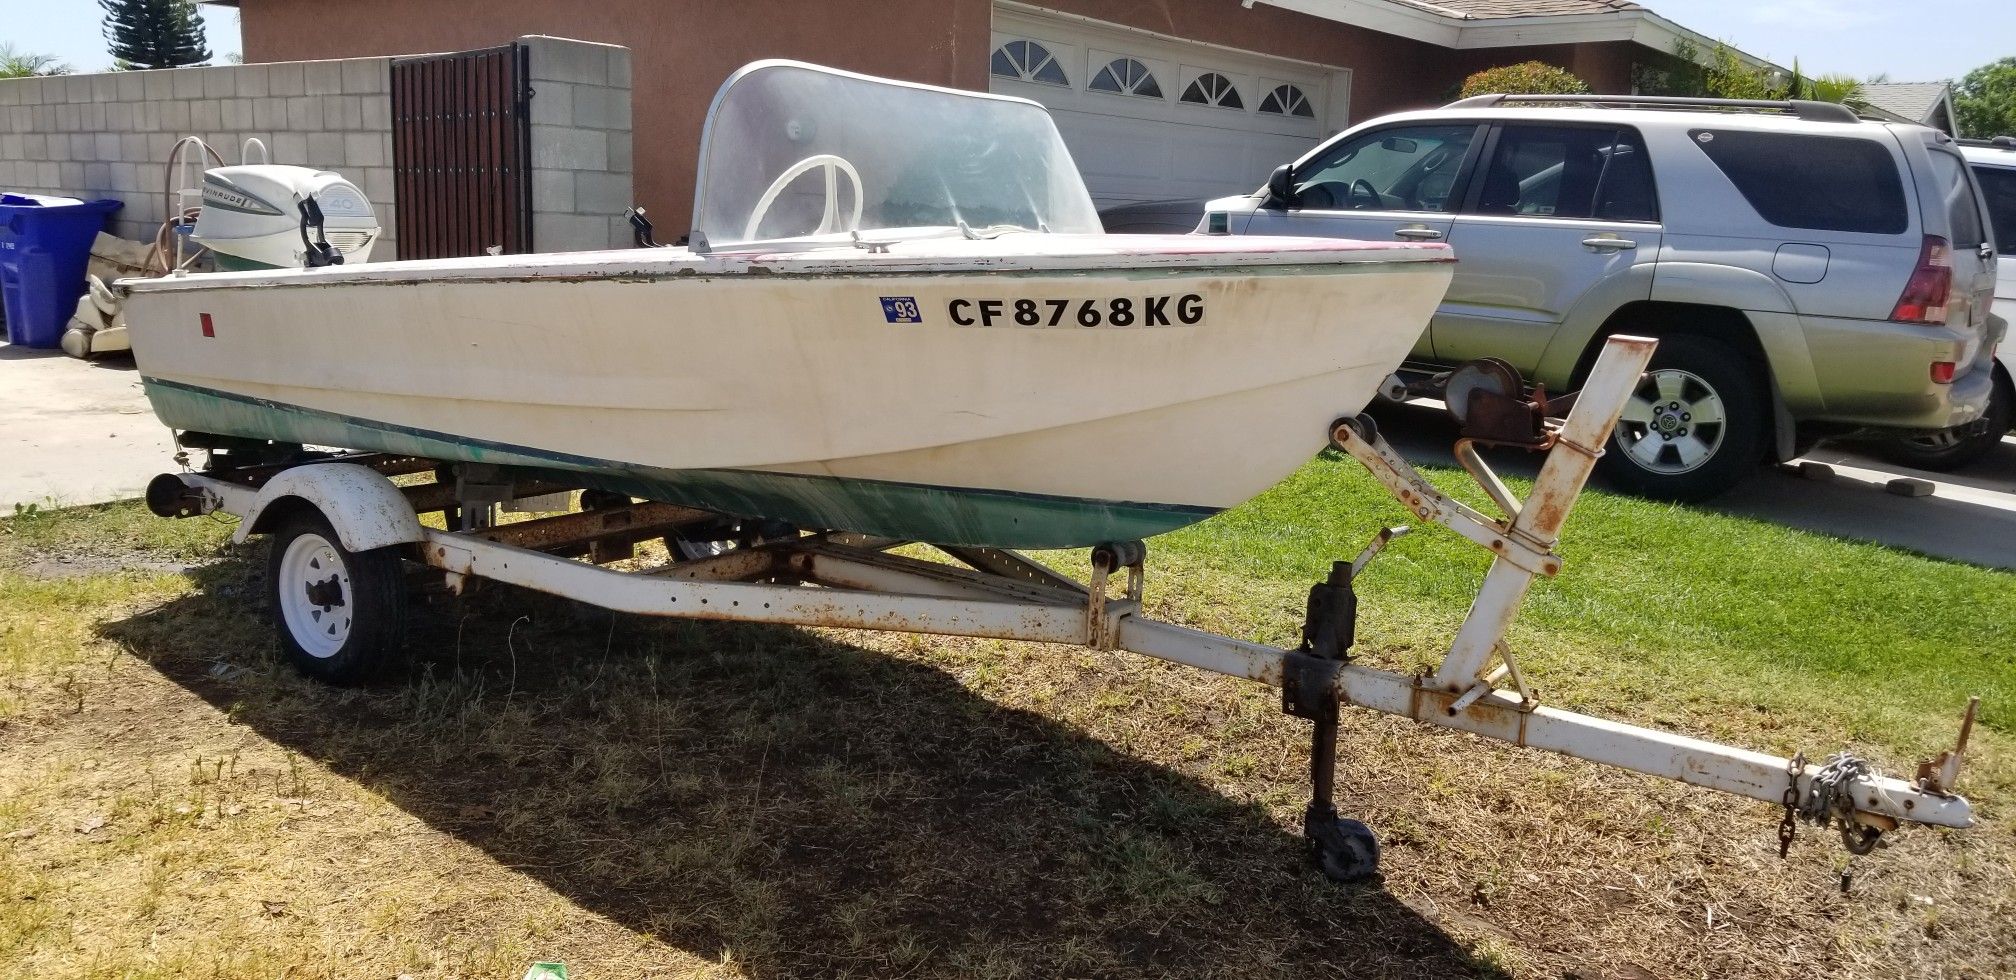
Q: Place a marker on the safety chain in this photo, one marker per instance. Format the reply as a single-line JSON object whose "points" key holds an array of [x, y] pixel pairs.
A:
{"points": [[1786, 827], [1829, 795]]}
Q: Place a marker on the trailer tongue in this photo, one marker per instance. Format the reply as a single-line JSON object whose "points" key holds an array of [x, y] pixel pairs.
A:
{"points": [[344, 533]]}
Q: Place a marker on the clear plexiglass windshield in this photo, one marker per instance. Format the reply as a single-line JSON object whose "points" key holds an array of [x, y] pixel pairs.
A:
{"points": [[794, 150]]}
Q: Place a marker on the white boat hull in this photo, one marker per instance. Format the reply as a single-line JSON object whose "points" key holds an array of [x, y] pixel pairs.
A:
{"points": [[800, 395]]}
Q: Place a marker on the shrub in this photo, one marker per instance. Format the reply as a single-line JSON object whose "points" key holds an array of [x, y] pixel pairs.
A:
{"points": [[1529, 78]]}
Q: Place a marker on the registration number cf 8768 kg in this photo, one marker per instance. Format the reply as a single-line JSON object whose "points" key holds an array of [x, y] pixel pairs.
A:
{"points": [[1120, 311]]}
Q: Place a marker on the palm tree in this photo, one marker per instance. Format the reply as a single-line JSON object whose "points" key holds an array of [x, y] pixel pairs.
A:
{"points": [[1844, 89], [16, 64]]}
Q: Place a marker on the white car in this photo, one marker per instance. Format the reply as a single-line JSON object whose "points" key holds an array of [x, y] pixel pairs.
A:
{"points": [[1994, 165]]}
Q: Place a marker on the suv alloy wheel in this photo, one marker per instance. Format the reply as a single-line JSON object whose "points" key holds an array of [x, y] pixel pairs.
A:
{"points": [[1693, 428]]}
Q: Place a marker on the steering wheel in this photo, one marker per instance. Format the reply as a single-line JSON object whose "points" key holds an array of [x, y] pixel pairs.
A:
{"points": [[1373, 201], [829, 222]]}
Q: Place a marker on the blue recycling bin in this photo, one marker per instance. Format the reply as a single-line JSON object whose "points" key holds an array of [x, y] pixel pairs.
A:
{"points": [[45, 243]]}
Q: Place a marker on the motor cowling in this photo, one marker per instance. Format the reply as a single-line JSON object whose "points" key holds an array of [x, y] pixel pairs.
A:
{"points": [[274, 216]]}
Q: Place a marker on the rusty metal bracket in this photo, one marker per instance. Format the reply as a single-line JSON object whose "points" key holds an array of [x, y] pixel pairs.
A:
{"points": [[1107, 559], [1939, 774]]}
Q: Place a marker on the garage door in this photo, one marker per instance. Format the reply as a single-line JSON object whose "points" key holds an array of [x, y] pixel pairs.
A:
{"points": [[1149, 117]]}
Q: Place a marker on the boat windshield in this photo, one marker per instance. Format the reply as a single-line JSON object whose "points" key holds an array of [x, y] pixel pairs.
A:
{"points": [[794, 150]]}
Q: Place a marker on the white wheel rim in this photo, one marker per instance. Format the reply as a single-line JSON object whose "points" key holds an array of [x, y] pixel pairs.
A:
{"points": [[314, 595], [1673, 424]]}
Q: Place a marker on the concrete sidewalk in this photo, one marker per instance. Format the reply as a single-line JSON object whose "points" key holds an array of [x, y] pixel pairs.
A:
{"points": [[75, 432]]}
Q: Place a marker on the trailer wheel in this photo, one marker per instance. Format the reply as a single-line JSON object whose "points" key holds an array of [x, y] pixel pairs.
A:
{"points": [[1345, 850], [340, 613]]}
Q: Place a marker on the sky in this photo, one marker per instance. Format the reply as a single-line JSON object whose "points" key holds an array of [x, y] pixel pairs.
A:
{"points": [[72, 30], [1908, 40]]}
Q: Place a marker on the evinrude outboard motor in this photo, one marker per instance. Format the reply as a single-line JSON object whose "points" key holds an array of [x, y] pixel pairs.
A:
{"points": [[273, 216]]}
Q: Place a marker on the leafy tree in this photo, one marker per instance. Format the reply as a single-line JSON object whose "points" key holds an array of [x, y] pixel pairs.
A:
{"points": [[1681, 74], [1730, 78], [1985, 100], [1527, 78], [154, 33], [19, 64]]}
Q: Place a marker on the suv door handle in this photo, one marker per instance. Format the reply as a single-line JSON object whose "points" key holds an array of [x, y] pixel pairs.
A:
{"points": [[1987, 251], [1418, 234], [1605, 243]]}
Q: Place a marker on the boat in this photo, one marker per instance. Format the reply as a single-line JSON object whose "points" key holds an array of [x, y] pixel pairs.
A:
{"points": [[897, 315]]}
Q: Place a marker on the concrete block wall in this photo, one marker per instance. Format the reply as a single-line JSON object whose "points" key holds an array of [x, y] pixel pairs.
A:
{"points": [[581, 144], [109, 135]]}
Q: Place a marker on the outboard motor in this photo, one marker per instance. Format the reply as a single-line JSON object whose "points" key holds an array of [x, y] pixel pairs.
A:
{"points": [[273, 216]]}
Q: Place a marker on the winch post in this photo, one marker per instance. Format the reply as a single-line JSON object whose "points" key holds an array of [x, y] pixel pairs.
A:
{"points": [[1530, 534]]}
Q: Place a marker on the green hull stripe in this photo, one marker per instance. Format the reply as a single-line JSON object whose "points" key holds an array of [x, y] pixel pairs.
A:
{"points": [[965, 516]]}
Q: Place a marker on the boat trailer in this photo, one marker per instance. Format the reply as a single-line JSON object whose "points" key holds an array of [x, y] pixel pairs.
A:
{"points": [[327, 593]]}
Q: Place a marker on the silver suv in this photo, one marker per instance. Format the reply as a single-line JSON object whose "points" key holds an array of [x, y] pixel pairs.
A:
{"points": [[1809, 274]]}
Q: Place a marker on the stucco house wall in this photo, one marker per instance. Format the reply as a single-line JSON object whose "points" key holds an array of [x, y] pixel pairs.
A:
{"points": [[681, 52], [683, 49]]}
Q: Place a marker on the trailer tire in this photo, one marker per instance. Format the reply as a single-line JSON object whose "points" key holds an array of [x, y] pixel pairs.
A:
{"points": [[1345, 850], [341, 628]]}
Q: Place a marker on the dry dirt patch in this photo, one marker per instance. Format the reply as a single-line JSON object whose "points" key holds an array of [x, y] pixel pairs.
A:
{"points": [[545, 781]]}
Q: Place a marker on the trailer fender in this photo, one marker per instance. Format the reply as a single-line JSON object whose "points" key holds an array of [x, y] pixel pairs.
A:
{"points": [[363, 506]]}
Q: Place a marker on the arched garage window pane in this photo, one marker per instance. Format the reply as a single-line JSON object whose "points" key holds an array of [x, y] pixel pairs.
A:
{"points": [[1125, 76], [1029, 62], [1287, 100], [1213, 89]]}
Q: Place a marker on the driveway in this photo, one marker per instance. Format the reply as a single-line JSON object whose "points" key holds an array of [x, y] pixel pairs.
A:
{"points": [[1969, 517], [75, 432]]}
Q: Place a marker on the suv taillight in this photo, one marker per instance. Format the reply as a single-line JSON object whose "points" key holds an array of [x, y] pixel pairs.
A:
{"points": [[1931, 283]]}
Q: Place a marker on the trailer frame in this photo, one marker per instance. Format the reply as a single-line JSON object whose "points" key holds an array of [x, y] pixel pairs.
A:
{"points": [[848, 580]]}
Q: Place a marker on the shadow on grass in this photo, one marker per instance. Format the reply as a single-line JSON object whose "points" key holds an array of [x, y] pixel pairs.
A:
{"points": [[808, 807]]}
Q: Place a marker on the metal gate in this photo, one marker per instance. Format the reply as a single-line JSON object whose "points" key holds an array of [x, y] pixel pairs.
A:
{"points": [[461, 145]]}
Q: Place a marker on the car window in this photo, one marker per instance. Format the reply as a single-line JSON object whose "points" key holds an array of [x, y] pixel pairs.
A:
{"points": [[1568, 172], [1405, 168], [1963, 215], [1823, 183], [1998, 186], [1626, 191]]}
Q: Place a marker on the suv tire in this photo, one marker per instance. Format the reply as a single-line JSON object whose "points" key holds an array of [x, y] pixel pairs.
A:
{"points": [[1695, 426], [1942, 456]]}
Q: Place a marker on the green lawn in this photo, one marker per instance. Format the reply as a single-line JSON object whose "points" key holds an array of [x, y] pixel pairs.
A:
{"points": [[1663, 612]]}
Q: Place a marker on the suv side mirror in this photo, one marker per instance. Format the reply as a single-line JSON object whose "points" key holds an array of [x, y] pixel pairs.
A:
{"points": [[1281, 188]]}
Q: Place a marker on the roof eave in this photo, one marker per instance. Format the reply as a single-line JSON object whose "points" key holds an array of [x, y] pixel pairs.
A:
{"points": [[1465, 32]]}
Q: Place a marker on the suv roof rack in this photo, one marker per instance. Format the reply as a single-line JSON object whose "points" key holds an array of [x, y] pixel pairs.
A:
{"points": [[1998, 142], [1803, 108]]}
